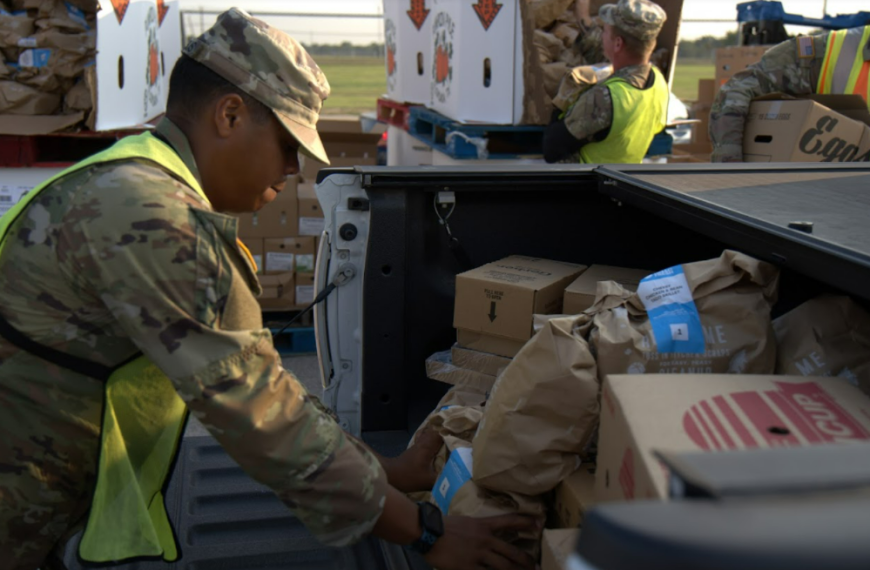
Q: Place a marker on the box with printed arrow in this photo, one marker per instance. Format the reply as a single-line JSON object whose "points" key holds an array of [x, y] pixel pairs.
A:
{"points": [[495, 302]]}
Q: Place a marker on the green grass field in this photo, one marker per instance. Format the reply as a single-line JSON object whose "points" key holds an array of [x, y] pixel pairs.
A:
{"points": [[357, 82]]}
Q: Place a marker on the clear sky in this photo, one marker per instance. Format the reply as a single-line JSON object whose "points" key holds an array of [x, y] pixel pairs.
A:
{"points": [[363, 31]]}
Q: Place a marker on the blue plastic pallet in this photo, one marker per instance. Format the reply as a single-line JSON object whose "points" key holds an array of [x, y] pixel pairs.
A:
{"points": [[502, 141]]}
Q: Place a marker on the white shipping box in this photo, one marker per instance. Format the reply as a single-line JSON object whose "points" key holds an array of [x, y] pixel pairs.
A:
{"points": [[405, 150], [641, 414], [16, 182], [137, 47], [408, 43], [138, 43], [476, 71]]}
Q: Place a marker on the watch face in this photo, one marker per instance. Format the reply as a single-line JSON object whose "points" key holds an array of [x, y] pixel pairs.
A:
{"points": [[431, 518]]}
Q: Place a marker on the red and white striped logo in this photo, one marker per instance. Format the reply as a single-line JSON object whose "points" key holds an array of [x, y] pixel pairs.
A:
{"points": [[792, 415]]}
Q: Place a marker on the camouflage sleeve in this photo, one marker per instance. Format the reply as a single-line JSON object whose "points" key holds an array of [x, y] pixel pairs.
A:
{"points": [[592, 114], [779, 70], [165, 268]]}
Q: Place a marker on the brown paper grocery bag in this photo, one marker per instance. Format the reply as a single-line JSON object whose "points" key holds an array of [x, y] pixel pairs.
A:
{"points": [[826, 336], [540, 415], [461, 496], [731, 296]]}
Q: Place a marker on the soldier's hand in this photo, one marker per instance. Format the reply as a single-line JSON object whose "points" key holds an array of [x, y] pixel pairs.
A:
{"points": [[470, 544], [414, 470]]}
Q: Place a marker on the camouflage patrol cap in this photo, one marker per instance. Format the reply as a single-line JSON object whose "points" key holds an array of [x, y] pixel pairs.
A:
{"points": [[641, 19], [270, 66]]}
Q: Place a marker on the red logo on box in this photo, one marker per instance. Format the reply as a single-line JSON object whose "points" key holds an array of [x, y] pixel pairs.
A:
{"points": [[487, 10], [793, 415], [418, 13], [120, 7], [162, 9]]}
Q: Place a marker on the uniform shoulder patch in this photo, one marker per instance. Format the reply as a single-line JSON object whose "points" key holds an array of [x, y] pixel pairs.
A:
{"points": [[805, 47]]}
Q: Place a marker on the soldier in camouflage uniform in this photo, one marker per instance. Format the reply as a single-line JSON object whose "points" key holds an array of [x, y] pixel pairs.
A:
{"points": [[585, 111], [792, 67], [122, 257]]}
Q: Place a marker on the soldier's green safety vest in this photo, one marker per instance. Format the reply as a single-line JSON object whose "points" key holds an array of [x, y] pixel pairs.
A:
{"points": [[846, 69], [143, 416], [638, 114]]}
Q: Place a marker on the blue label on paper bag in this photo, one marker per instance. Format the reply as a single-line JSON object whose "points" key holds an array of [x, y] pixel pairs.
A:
{"points": [[456, 473], [34, 57], [675, 321]]}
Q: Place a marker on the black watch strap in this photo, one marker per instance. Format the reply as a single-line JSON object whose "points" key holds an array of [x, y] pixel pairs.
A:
{"points": [[432, 524]]}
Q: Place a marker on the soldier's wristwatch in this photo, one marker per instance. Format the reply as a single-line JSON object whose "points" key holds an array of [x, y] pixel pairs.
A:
{"points": [[433, 528]]}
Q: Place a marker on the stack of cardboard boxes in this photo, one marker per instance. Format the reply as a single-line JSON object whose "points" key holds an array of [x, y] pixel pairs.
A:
{"points": [[284, 236]]}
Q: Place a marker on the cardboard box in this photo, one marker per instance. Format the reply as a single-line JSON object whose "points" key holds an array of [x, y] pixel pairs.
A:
{"points": [[499, 298], [580, 294], [556, 545], [713, 412], [818, 128], [477, 64], [137, 46], [481, 342], [734, 59], [405, 150], [277, 219], [280, 255], [574, 496], [311, 221], [343, 136], [304, 288], [408, 46], [485, 66], [485, 363], [255, 246], [278, 292]]}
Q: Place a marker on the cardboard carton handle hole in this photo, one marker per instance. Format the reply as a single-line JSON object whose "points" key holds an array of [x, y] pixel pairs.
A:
{"points": [[419, 63], [778, 430], [763, 139], [487, 72], [120, 72], [162, 65]]}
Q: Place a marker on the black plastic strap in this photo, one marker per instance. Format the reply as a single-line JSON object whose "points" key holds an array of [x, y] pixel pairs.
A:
{"points": [[68, 361]]}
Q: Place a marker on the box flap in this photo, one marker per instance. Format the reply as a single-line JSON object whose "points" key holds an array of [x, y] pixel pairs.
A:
{"points": [[523, 272]]}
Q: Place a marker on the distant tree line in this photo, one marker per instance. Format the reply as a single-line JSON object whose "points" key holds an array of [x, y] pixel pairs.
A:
{"points": [[346, 49], [705, 46]]}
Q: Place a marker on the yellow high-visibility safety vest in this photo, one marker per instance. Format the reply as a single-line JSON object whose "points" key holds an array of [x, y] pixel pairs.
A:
{"points": [[143, 416], [638, 114], [845, 69]]}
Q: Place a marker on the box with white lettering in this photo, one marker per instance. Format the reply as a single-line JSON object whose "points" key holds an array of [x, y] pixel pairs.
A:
{"points": [[714, 412]]}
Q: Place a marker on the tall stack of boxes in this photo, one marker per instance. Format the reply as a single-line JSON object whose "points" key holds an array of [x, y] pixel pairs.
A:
{"points": [[283, 237]]}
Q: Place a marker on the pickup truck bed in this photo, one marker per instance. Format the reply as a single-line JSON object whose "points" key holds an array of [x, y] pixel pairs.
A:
{"points": [[375, 333]]}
